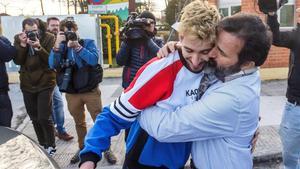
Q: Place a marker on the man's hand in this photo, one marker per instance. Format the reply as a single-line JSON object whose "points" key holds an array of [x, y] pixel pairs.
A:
{"points": [[168, 48], [73, 44], [23, 39], [60, 37], [87, 165], [34, 44]]}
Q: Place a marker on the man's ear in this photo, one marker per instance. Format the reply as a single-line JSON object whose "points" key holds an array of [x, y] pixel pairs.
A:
{"points": [[248, 65]]}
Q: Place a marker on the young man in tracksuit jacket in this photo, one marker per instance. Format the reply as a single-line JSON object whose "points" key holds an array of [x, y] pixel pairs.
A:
{"points": [[168, 83]]}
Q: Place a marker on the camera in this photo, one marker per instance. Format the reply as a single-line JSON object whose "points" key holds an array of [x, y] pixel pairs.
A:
{"points": [[32, 35], [67, 65], [134, 26], [70, 35], [267, 6]]}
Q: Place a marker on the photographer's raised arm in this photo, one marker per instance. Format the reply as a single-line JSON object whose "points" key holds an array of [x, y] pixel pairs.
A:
{"points": [[22, 49], [280, 38], [153, 47], [88, 52], [44, 48]]}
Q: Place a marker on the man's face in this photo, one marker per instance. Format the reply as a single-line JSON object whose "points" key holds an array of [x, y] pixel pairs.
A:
{"points": [[33, 28], [151, 27], [195, 51], [226, 51], [53, 26]]}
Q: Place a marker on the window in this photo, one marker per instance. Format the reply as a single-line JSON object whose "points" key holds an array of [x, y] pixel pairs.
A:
{"points": [[223, 11], [286, 14], [230, 10], [235, 9]]}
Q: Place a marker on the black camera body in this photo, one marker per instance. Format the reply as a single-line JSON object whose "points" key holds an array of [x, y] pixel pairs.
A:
{"points": [[32, 35], [135, 27], [267, 6], [67, 65], [70, 35]]}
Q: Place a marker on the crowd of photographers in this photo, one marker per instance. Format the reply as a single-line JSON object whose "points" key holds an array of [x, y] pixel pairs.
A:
{"points": [[54, 59]]}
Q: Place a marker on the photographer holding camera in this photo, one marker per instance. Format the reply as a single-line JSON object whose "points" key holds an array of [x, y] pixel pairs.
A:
{"points": [[290, 124], [138, 47], [37, 81], [58, 113], [78, 75]]}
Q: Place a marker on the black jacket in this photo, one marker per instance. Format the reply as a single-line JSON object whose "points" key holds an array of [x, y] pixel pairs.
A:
{"points": [[291, 40], [134, 54], [7, 52]]}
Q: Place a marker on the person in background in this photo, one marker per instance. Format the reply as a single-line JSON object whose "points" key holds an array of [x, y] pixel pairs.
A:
{"points": [[79, 56], [138, 47], [58, 113], [7, 53], [290, 124], [37, 81]]}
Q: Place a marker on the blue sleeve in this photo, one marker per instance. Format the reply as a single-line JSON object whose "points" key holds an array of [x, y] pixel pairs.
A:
{"points": [[123, 54], [89, 52], [55, 57], [214, 116], [98, 138], [7, 51]]}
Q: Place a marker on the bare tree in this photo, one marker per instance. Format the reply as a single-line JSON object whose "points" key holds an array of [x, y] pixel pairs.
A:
{"points": [[5, 6], [42, 7]]}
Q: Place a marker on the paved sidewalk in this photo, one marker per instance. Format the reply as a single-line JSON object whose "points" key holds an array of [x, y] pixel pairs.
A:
{"points": [[268, 146]]}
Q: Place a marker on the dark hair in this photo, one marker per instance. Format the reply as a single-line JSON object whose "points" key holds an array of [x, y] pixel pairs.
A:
{"points": [[63, 24], [147, 14], [52, 18], [30, 22], [256, 35]]}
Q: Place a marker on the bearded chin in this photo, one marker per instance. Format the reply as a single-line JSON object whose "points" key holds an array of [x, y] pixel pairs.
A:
{"points": [[222, 72]]}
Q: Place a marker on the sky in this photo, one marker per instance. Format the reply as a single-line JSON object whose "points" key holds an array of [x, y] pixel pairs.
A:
{"points": [[51, 7]]}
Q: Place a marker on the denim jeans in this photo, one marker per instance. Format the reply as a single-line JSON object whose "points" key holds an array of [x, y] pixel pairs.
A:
{"points": [[290, 136], [58, 113]]}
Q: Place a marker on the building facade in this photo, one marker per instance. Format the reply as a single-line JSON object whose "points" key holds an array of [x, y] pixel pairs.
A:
{"points": [[278, 57]]}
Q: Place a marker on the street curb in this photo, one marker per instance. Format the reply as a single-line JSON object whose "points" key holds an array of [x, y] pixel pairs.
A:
{"points": [[274, 157]]}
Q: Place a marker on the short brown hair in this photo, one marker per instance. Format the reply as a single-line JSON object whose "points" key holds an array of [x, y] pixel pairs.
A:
{"points": [[52, 18], [63, 24], [30, 22]]}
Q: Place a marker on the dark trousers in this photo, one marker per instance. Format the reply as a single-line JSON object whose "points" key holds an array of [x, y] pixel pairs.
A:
{"points": [[5, 110], [39, 108]]}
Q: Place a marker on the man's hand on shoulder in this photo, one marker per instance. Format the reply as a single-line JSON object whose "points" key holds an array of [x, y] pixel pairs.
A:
{"points": [[168, 48], [87, 165]]}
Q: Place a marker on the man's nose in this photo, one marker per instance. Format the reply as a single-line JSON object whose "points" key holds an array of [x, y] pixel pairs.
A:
{"points": [[212, 53], [196, 59]]}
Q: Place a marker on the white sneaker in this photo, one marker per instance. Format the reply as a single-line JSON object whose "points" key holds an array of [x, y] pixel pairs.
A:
{"points": [[51, 151]]}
